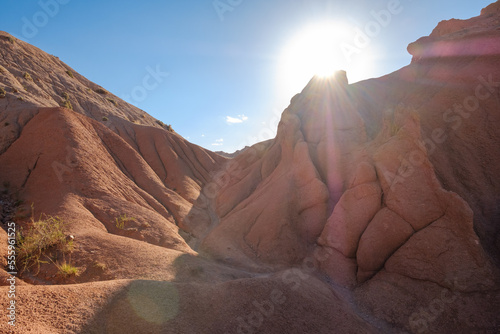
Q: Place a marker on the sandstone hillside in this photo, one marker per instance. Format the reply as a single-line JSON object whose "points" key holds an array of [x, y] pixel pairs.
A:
{"points": [[374, 210]]}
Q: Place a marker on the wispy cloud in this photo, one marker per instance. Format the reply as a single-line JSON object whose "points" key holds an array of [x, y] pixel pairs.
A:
{"points": [[218, 142], [236, 120]]}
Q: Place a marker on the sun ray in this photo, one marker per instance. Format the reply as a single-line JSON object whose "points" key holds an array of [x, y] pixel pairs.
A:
{"points": [[316, 51]]}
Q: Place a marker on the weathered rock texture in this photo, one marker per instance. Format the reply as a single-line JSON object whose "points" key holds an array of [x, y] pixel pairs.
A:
{"points": [[375, 208]]}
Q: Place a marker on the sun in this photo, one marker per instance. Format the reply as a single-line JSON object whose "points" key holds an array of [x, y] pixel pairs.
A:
{"points": [[314, 51]]}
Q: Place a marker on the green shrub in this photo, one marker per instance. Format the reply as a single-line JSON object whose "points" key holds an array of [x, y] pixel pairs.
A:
{"points": [[12, 40], [100, 265], [66, 270], [68, 72], [42, 236], [67, 104], [168, 127], [104, 118], [2, 92], [112, 101], [27, 76], [121, 220]]}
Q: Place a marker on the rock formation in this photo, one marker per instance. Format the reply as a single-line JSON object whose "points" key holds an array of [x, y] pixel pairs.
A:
{"points": [[375, 208]]}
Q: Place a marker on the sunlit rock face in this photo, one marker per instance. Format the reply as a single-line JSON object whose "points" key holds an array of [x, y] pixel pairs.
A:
{"points": [[375, 208], [388, 180], [325, 187], [295, 182], [461, 38]]}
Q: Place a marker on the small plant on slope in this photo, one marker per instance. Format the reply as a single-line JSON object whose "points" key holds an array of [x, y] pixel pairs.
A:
{"points": [[67, 104], [101, 266], [120, 221], [66, 270], [41, 237]]}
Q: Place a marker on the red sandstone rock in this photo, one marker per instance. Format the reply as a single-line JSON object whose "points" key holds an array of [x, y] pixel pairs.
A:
{"points": [[350, 218], [383, 236], [379, 187]]}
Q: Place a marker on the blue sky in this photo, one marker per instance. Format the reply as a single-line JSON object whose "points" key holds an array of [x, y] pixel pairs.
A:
{"points": [[232, 64]]}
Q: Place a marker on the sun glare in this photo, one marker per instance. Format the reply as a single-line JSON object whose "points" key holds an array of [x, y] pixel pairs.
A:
{"points": [[316, 51]]}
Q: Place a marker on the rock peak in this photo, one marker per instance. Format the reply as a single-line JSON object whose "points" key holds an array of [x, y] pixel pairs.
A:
{"points": [[493, 8], [461, 38], [337, 79]]}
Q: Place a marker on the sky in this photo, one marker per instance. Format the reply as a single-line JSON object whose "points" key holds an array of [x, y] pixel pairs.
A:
{"points": [[223, 71]]}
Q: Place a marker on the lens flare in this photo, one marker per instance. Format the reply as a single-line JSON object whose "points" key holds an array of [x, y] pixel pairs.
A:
{"points": [[317, 50]]}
